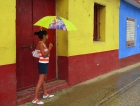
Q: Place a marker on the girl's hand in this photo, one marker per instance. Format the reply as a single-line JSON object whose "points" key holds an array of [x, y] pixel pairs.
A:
{"points": [[50, 46]]}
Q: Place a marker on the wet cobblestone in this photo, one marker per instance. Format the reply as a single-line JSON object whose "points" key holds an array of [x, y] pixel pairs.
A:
{"points": [[128, 97]]}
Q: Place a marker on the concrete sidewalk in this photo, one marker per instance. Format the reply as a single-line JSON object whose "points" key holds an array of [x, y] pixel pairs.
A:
{"points": [[96, 91]]}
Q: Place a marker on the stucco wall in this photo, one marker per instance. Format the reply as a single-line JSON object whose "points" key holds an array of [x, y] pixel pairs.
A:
{"points": [[7, 34], [127, 10], [7, 53], [81, 14], [62, 36]]}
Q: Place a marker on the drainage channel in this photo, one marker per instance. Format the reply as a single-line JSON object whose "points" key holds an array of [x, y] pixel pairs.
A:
{"points": [[116, 94]]}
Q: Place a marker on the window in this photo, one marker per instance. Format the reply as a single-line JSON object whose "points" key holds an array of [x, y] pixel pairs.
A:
{"points": [[130, 32], [99, 22]]}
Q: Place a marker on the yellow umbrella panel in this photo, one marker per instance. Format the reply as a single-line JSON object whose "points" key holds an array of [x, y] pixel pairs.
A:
{"points": [[55, 22]]}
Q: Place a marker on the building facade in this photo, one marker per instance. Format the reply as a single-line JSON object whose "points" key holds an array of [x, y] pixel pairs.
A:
{"points": [[81, 54], [100, 45], [8, 53], [129, 30]]}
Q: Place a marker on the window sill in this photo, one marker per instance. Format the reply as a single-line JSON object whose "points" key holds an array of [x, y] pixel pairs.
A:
{"points": [[98, 41]]}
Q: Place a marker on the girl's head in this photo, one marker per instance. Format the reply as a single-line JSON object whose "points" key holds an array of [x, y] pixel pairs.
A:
{"points": [[42, 34]]}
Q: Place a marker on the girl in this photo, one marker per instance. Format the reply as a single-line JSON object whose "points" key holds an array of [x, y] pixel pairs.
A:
{"points": [[44, 53]]}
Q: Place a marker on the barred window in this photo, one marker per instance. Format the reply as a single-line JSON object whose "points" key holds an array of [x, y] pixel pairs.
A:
{"points": [[99, 22], [130, 32]]}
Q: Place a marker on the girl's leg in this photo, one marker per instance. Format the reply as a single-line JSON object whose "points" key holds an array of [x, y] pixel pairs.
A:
{"points": [[45, 95], [40, 82], [44, 86]]}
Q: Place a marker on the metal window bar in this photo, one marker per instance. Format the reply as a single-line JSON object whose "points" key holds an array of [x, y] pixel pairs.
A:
{"points": [[130, 37]]}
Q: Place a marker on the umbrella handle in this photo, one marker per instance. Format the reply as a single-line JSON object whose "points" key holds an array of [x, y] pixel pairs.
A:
{"points": [[41, 28]]}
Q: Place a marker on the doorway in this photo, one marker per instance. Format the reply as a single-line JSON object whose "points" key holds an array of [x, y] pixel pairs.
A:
{"points": [[27, 13]]}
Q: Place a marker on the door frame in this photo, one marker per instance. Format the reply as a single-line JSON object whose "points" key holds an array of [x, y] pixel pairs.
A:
{"points": [[18, 30]]}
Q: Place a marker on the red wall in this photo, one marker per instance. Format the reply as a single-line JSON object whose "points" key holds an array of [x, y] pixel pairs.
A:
{"points": [[76, 69], [7, 85], [129, 60]]}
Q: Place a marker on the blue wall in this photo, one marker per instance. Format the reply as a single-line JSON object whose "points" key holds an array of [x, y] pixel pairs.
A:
{"points": [[127, 10]]}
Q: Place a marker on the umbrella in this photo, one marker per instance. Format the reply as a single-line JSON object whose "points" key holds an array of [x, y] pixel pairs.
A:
{"points": [[55, 22]]}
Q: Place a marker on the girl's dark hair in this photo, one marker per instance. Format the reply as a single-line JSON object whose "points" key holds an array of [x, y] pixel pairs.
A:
{"points": [[41, 33]]}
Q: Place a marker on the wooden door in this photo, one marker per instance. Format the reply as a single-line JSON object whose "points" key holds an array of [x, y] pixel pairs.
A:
{"points": [[43, 8], [24, 59], [28, 12]]}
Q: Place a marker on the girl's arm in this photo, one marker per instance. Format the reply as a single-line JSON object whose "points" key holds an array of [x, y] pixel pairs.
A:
{"points": [[41, 47]]}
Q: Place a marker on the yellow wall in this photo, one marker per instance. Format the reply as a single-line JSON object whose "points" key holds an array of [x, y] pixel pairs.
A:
{"points": [[62, 38], [81, 13], [7, 32]]}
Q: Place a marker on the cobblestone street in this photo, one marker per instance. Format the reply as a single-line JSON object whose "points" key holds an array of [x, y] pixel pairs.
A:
{"points": [[127, 97]]}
